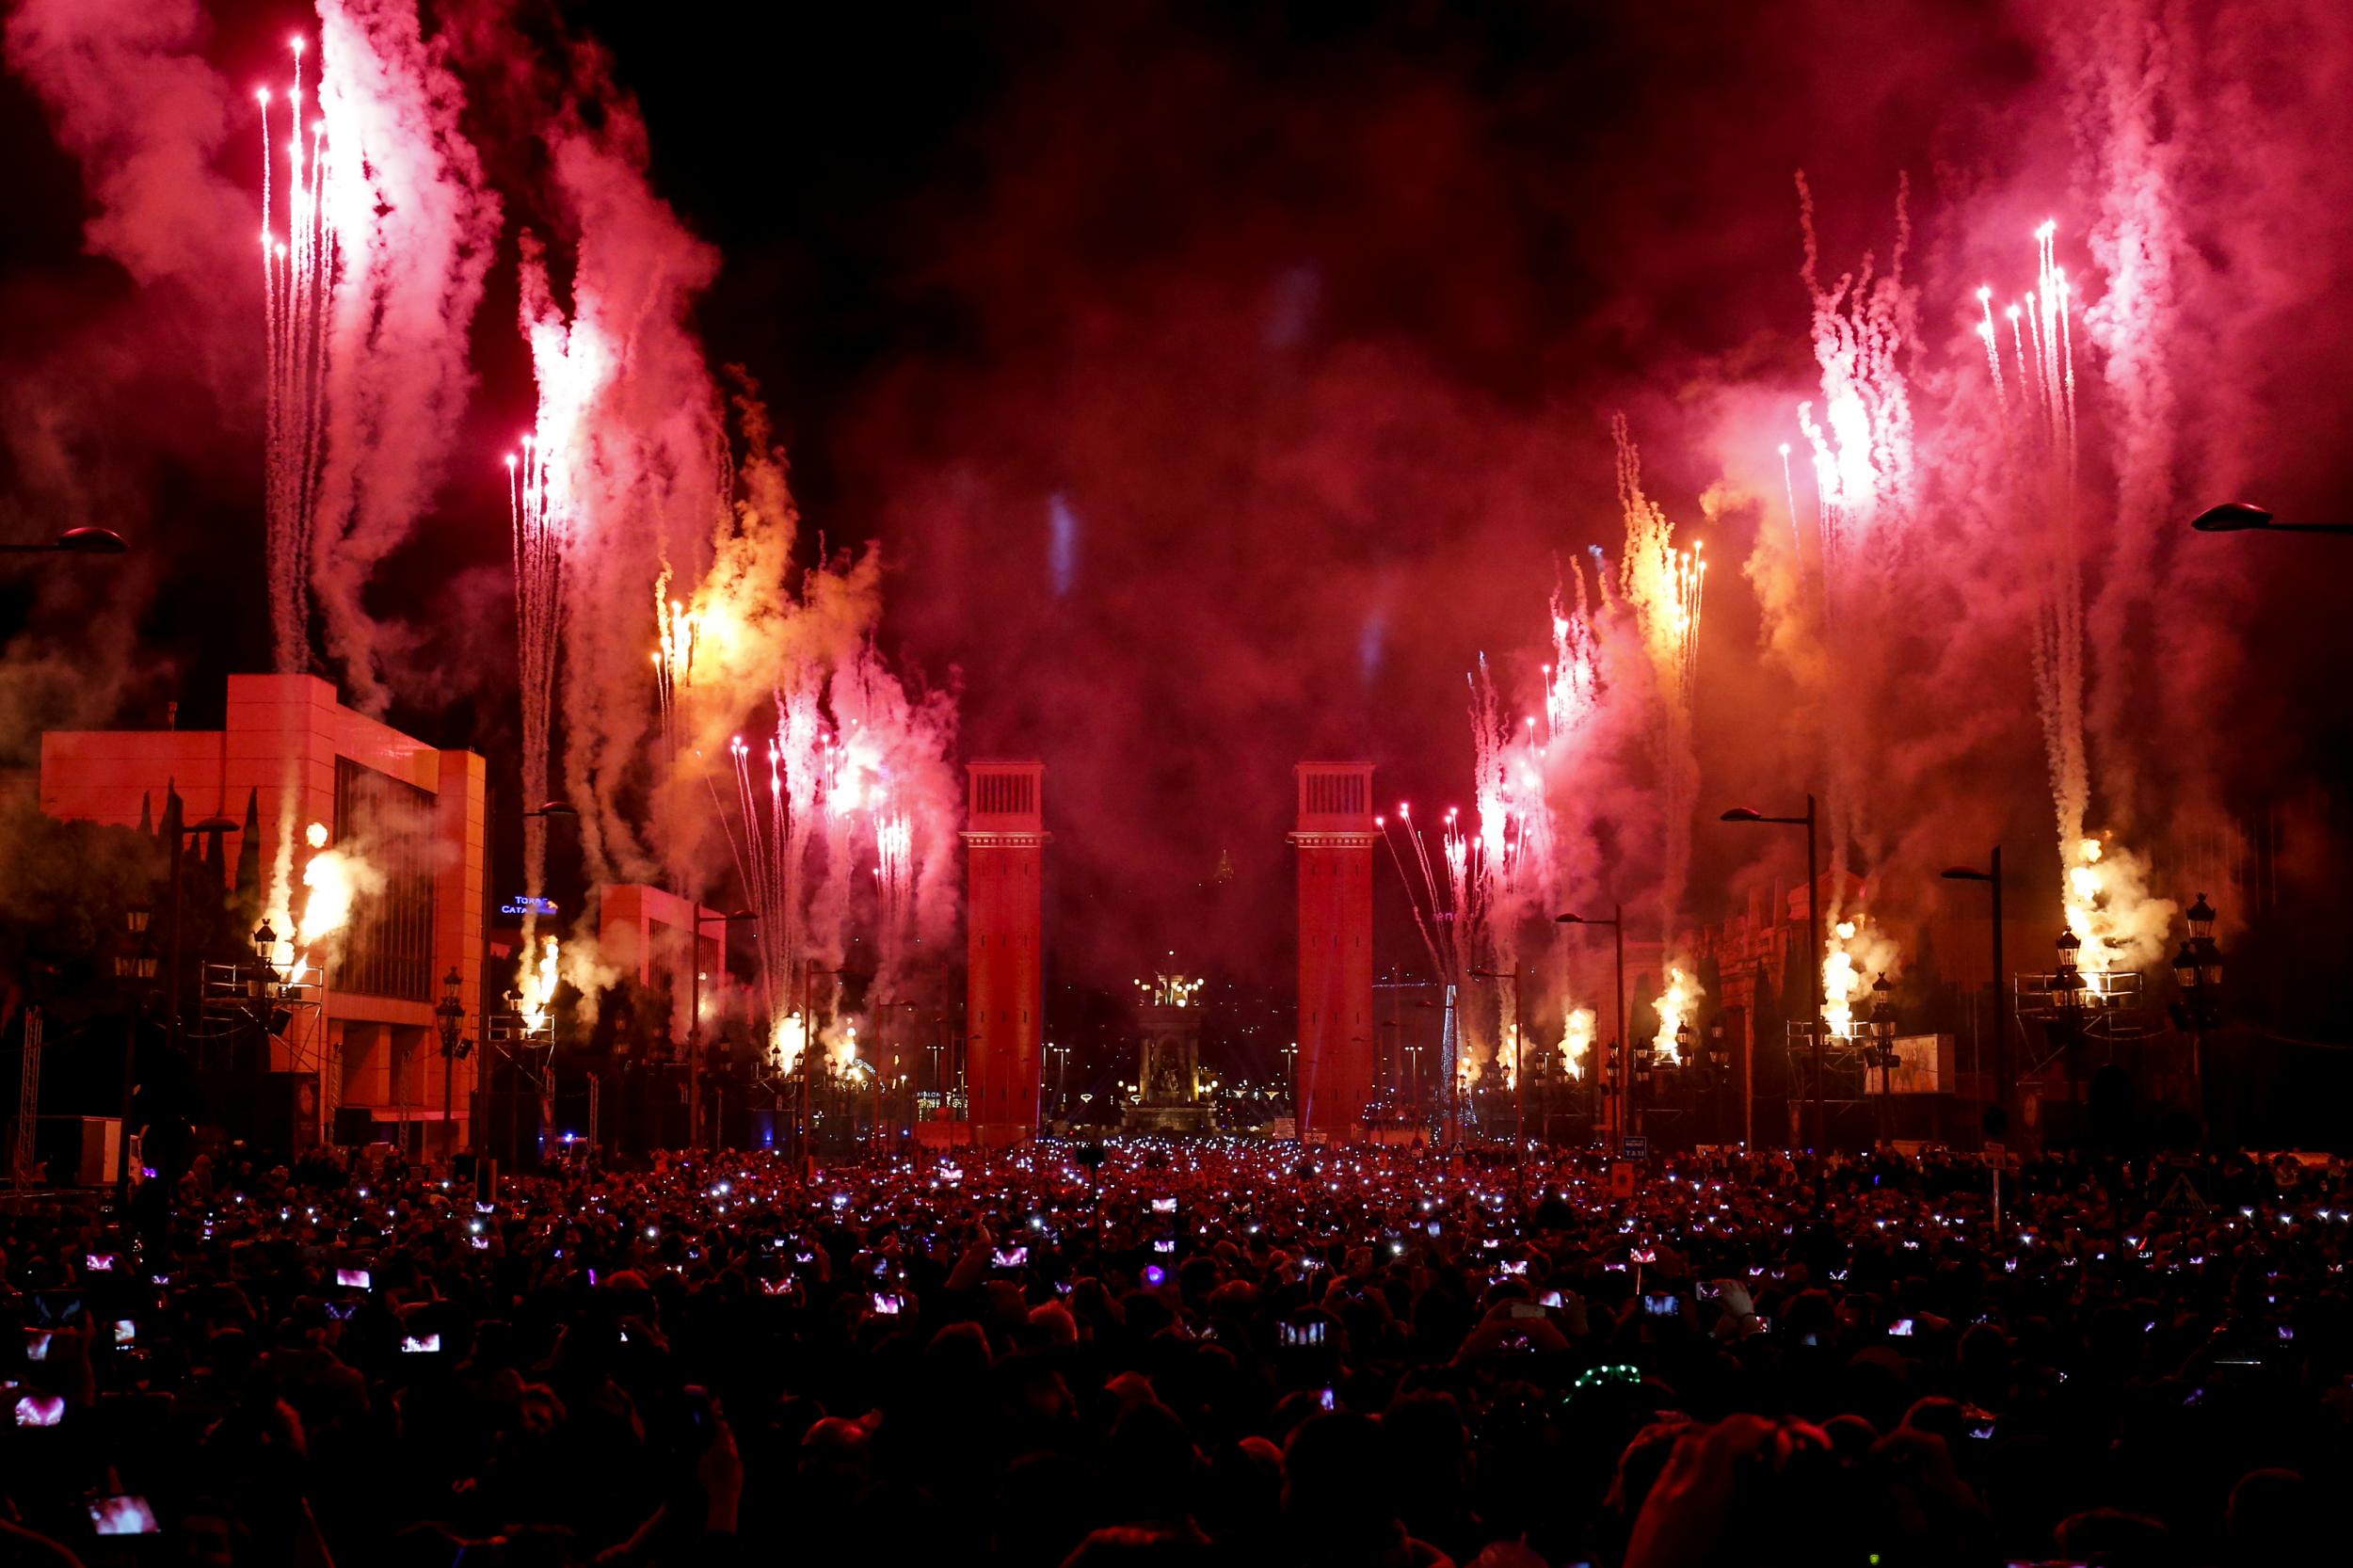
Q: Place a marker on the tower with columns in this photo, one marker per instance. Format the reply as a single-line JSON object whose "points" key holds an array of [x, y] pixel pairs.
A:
{"points": [[1004, 842], [1334, 835]]}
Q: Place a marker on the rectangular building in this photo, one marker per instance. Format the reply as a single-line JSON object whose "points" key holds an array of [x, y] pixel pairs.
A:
{"points": [[298, 765]]}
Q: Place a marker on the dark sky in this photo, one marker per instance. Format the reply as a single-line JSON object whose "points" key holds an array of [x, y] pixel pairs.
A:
{"points": [[1219, 381]]}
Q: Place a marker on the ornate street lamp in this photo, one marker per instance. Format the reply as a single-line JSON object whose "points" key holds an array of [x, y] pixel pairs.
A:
{"points": [[2199, 968], [450, 1013]]}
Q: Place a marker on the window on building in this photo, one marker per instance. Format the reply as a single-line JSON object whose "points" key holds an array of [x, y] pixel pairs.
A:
{"points": [[388, 947]]}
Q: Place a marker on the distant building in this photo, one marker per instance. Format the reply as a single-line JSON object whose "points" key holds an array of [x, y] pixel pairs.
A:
{"points": [[1169, 1094], [292, 763]]}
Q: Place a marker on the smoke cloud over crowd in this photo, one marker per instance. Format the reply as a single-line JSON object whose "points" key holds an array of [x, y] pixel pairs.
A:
{"points": [[1172, 398]]}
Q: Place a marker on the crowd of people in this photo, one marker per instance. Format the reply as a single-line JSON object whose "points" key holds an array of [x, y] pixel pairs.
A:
{"points": [[1168, 1351]]}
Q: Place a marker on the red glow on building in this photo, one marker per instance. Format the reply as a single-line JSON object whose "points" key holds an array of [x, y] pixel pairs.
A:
{"points": [[1335, 839], [1004, 977]]}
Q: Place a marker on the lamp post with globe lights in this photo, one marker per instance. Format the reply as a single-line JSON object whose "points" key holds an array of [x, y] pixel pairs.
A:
{"points": [[2197, 968]]}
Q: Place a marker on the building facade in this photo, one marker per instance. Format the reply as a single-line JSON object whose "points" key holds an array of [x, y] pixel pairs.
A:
{"points": [[1334, 835], [328, 799], [1005, 840]]}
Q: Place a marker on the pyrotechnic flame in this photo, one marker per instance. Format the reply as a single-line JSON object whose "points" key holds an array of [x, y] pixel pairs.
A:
{"points": [[535, 985], [335, 879], [1679, 1003], [1576, 1040], [1855, 954], [787, 1037]]}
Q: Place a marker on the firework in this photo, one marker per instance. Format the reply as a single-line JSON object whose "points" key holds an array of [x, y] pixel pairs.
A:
{"points": [[299, 270], [2102, 890], [1576, 1040], [1676, 1005], [1663, 586]]}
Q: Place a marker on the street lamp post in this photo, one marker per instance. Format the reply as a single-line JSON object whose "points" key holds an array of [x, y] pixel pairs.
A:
{"points": [[2199, 968], [177, 873], [1880, 1029], [694, 1011], [449, 1013], [1813, 942], [1992, 877], [1519, 1084], [1616, 923], [2067, 994], [810, 971]]}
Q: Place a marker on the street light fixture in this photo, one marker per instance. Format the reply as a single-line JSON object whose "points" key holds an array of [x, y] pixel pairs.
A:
{"points": [[74, 541], [2240, 517], [1616, 923], [1814, 936], [2199, 968]]}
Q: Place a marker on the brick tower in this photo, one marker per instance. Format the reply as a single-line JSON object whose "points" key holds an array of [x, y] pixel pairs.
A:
{"points": [[1004, 839], [1335, 839]]}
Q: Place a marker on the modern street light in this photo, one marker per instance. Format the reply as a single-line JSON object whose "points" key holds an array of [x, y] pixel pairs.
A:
{"points": [[1814, 938], [2240, 517], [1616, 923], [74, 541], [1992, 877]]}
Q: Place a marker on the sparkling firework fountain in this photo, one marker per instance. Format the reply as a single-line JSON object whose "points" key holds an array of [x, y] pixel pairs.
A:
{"points": [[1440, 919], [570, 364], [1866, 485], [771, 852], [2103, 888], [1664, 586], [297, 276]]}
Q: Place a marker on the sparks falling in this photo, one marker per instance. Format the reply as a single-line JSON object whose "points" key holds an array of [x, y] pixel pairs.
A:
{"points": [[299, 271], [2102, 890]]}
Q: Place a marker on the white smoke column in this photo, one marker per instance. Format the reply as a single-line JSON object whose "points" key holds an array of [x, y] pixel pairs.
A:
{"points": [[648, 473], [2102, 891], [414, 227], [1868, 495], [571, 365], [2124, 96]]}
